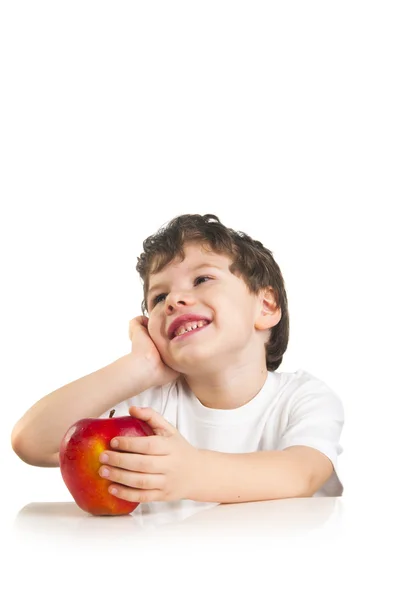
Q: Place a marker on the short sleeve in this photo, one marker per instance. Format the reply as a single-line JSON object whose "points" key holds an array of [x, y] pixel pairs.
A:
{"points": [[316, 419], [152, 397], [121, 410]]}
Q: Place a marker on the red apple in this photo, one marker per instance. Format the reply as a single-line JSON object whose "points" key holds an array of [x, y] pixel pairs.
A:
{"points": [[79, 461]]}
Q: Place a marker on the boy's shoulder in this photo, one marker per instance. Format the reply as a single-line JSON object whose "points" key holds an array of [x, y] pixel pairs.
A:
{"points": [[302, 379], [283, 387], [304, 392], [281, 382], [289, 389]]}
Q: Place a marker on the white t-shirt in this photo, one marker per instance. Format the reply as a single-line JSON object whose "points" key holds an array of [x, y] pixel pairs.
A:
{"points": [[291, 409]]}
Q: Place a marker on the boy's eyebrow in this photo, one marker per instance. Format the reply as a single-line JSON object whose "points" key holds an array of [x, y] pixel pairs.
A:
{"points": [[201, 266]]}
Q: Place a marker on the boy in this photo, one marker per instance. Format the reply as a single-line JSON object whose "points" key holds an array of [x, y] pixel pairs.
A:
{"points": [[202, 373]]}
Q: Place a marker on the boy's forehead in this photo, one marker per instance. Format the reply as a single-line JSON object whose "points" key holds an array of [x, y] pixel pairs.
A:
{"points": [[195, 257], [195, 252]]}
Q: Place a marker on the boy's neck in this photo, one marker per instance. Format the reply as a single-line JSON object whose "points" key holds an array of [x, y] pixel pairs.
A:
{"points": [[228, 390]]}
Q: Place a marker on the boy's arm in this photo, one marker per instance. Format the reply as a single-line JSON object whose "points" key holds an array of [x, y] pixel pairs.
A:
{"points": [[36, 437], [297, 471], [166, 467]]}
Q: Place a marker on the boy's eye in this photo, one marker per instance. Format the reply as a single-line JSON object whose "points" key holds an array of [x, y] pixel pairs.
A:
{"points": [[158, 298]]}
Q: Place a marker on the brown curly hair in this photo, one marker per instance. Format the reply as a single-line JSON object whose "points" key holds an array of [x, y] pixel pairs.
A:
{"points": [[251, 260]]}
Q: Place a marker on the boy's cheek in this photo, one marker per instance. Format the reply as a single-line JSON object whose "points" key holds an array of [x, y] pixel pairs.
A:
{"points": [[150, 326], [158, 337], [154, 334]]}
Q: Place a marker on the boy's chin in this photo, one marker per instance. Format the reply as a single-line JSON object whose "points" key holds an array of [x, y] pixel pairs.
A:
{"points": [[197, 368]]}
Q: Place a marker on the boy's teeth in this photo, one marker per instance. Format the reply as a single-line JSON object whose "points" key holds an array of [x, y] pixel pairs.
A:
{"points": [[189, 327]]}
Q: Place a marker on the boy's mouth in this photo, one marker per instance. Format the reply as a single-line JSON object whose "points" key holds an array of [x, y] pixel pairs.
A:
{"points": [[186, 319], [185, 335]]}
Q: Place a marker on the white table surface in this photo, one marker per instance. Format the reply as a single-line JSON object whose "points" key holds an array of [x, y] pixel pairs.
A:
{"points": [[172, 520], [303, 547]]}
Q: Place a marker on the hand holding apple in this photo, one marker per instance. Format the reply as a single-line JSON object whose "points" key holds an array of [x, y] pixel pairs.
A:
{"points": [[79, 454], [160, 467]]}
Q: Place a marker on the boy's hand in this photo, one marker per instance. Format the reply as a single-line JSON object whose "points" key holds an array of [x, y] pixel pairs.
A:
{"points": [[143, 346], [161, 467]]}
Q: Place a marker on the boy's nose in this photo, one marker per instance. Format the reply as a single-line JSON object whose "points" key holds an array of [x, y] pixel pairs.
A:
{"points": [[178, 299]]}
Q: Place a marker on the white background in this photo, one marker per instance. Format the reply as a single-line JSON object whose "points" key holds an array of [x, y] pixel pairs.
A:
{"points": [[279, 118]]}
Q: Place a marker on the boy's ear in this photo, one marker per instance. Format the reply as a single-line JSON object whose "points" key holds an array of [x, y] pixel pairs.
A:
{"points": [[269, 313]]}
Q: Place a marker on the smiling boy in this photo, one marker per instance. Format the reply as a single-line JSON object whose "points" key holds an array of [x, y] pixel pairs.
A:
{"points": [[202, 373]]}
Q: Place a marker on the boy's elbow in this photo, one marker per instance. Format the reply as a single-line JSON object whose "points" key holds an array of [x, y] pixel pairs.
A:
{"points": [[28, 455], [16, 442]]}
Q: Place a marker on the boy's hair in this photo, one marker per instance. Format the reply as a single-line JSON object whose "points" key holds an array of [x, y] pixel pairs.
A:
{"points": [[250, 259]]}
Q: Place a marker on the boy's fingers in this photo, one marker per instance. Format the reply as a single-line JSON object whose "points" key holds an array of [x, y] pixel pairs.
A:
{"points": [[155, 420], [151, 444]]}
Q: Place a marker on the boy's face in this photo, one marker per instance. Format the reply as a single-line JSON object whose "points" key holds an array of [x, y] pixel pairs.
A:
{"points": [[214, 293]]}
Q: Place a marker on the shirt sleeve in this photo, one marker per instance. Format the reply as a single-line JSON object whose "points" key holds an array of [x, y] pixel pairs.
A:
{"points": [[151, 397], [316, 419], [121, 410]]}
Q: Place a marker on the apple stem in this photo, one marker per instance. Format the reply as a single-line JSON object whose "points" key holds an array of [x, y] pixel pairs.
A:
{"points": [[112, 413]]}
